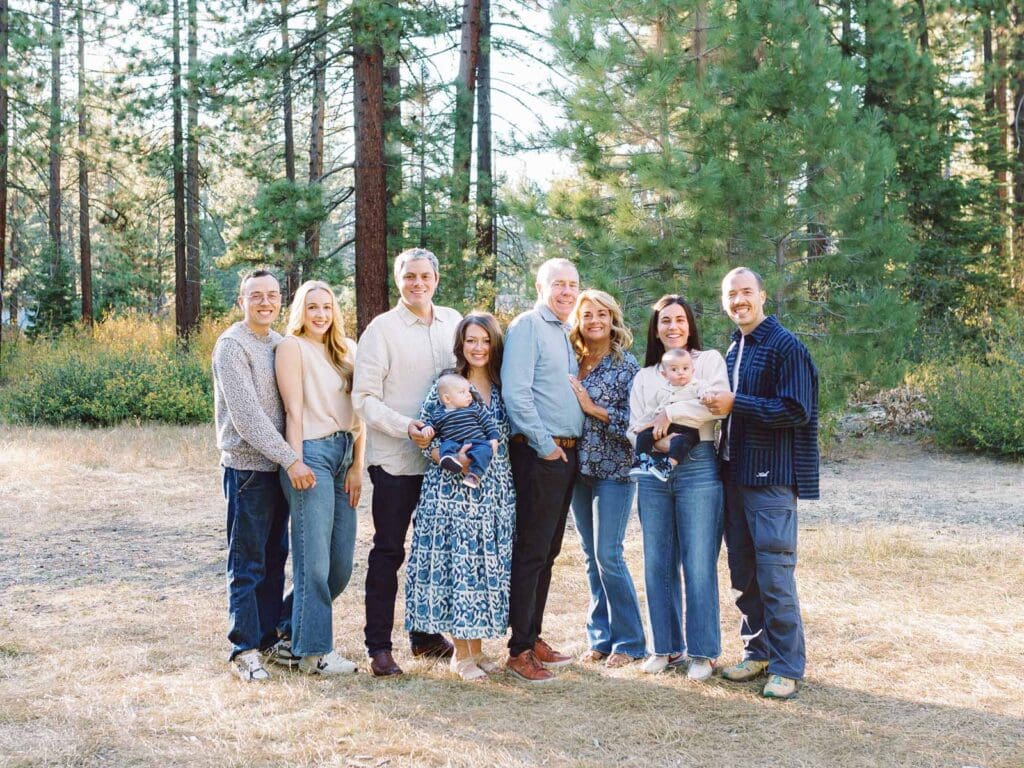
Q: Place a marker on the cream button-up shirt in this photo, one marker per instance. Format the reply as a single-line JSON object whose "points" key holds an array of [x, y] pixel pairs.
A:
{"points": [[398, 359]]}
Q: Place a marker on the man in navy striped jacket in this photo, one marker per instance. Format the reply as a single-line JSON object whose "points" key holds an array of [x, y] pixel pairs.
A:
{"points": [[769, 452]]}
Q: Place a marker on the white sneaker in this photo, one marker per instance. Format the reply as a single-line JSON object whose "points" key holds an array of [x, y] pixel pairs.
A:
{"points": [[656, 664], [699, 669], [248, 666], [328, 664]]}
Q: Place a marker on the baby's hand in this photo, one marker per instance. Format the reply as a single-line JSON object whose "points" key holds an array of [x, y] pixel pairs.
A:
{"points": [[427, 432]]}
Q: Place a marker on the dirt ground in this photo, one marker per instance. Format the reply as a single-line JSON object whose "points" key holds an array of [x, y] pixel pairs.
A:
{"points": [[112, 623]]}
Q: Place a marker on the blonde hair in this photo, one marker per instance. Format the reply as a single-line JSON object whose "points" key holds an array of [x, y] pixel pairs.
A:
{"points": [[334, 339], [621, 336]]}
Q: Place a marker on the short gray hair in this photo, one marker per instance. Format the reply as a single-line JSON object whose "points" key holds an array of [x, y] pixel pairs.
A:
{"points": [[544, 270], [414, 254]]}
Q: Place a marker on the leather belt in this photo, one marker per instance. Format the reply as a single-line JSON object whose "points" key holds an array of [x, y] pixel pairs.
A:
{"points": [[561, 442]]}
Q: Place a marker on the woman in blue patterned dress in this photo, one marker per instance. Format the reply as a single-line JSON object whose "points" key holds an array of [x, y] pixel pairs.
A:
{"points": [[603, 495], [457, 580]]}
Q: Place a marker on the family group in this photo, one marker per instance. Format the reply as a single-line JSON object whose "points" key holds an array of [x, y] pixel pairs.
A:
{"points": [[483, 442]]}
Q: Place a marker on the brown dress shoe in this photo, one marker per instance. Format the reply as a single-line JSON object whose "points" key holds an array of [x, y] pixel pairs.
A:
{"points": [[439, 649], [526, 667], [548, 656], [383, 664]]}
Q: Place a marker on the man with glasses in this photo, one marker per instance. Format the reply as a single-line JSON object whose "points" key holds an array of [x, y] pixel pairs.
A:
{"points": [[250, 424]]}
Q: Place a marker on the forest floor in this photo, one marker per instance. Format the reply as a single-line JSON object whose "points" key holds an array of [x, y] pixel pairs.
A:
{"points": [[112, 624]]}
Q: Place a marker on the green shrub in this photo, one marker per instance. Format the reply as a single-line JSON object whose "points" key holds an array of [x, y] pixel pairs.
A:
{"points": [[99, 388], [976, 404]]}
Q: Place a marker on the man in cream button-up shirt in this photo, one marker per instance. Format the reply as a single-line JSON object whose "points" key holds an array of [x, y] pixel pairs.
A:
{"points": [[400, 355]]}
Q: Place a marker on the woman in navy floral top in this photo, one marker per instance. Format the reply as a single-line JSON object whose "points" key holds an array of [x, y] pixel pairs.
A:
{"points": [[603, 494]]}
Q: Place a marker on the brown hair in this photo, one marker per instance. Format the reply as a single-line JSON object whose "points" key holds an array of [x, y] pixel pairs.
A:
{"points": [[655, 349], [486, 321]]}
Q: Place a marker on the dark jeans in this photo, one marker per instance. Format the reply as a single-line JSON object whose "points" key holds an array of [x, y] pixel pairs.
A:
{"points": [[394, 499], [760, 536], [257, 529], [682, 441], [479, 453], [543, 494]]}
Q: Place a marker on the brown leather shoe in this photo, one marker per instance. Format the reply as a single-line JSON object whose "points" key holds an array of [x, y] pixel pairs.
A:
{"points": [[382, 664], [548, 656], [526, 668], [439, 649]]}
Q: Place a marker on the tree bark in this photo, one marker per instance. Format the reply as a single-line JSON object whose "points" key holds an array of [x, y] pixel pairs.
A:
{"points": [[294, 275], [393, 152], [465, 84], [84, 236], [1017, 66], [486, 248], [192, 217], [316, 130], [54, 198], [4, 149], [370, 192], [177, 150]]}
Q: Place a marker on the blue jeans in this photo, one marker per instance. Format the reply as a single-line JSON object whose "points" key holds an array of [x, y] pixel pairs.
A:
{"points": [[601, 510], [682, 524], [257, 529], [323, 544], [479, 453], [760, 537]]}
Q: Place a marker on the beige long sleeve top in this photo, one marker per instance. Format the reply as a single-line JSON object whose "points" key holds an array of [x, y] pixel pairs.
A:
{"points": [[708, 368], [399, 358], [326, 404]]}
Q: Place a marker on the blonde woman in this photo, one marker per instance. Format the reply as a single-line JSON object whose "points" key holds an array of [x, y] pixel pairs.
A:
{"points": [[314, 374], [603, 493]]}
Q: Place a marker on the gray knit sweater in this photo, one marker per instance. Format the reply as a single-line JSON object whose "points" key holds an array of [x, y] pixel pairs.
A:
{"points": [[247, 406]]}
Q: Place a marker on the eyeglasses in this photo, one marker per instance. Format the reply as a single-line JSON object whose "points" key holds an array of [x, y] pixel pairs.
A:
{"points": [[257, 298]]}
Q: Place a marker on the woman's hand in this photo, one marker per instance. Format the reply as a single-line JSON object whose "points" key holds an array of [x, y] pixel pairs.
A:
{"points": [[582, 395], [660, 425], [354, 484]]}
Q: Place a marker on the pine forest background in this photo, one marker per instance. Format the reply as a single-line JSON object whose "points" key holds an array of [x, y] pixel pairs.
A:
{"points": [[866, 156]]}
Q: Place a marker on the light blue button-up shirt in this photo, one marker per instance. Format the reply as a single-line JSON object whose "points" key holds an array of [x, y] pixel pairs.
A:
{"points": [[535, 380]]}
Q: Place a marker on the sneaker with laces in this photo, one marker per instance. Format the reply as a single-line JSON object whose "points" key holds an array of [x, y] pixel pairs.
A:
{"points": [[525, 667], [656, 663], [779, 687], [248, 666], [280, 653], [745, 671], [451, 464], [328, 664], [548, 656], [661, 469], [699, 669]]}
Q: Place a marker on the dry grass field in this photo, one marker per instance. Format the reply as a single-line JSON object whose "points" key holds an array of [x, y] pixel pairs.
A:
{"points": [[112, 621]]}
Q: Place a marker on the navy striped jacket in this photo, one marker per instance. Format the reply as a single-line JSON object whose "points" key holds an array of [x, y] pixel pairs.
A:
{"points": [[773, 439]]}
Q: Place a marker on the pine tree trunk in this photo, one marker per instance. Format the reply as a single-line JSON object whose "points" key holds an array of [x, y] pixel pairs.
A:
{"points": [[293, 276], [922, 26], [393, 152], [177, 151], [469, 53], [84, 237], [4, 148], [192, 217], [1017, 67], [54, 197], [486, 256], [999, 107], [316, 130], [370, 183]]}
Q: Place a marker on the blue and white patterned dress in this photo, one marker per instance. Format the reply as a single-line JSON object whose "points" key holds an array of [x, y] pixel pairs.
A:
{"points": [[460, 563]]}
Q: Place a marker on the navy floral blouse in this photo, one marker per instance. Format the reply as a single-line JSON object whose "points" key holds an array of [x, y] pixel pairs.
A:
{"points": [[604, 451]]}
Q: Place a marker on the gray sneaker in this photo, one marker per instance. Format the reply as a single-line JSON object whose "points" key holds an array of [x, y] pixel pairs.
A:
{"points": [[280, 653], [248, 666]]}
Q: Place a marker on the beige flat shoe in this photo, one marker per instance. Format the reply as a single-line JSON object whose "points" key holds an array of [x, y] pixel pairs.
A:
{"points": [[488, 665], [593, 657], [467, 670]]}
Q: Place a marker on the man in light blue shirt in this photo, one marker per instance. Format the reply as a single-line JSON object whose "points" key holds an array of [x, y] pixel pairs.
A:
{"points": [[546, 421]]}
